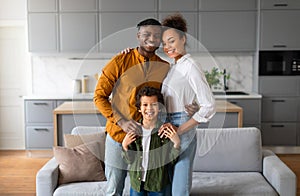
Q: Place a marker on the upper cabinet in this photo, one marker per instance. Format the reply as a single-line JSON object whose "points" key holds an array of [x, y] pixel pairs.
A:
{"points": [[127, 5], [229, 5], [228, 31], [280, 4], [43, 32], [175, 5], [78, 31], [279, 25], [42, 5], [78, 5], [62, 26], [118, 30]]}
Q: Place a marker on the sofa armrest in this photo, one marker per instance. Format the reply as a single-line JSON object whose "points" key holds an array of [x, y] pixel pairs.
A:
{"points": [[278, 174], [47, 178]]}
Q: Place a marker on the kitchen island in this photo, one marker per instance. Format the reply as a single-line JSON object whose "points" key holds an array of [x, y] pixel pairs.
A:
{"points": [[84, 113]]}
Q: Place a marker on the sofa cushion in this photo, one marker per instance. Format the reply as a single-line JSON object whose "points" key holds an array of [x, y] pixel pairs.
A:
{"points": [[87, 188], [80, 163], [78, 139], [228, 149], [235, 183]]}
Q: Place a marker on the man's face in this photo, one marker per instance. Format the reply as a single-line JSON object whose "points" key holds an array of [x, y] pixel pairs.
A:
{"points": [[149, 37]]}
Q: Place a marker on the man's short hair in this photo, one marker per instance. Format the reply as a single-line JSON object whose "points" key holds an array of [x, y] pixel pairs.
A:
{"points": [[149, 21]]}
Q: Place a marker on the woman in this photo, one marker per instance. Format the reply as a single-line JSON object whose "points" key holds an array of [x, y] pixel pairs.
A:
{"points": [[185, 83]]}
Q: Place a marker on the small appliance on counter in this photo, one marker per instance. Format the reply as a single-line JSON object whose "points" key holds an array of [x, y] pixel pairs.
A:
{"points": [[279, 63]]}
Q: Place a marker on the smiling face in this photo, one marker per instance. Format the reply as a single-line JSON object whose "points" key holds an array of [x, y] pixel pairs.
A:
{"points": [[149, 108], [173, 44], [149, 38]]}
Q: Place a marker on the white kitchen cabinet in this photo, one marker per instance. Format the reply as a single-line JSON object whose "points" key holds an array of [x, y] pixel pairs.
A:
{"points": [[118, 30], [219, 5], [176, 5], [78, 31], [78, 5], [42, 5], [39, 124], [280, 30], [280, 4], [228, 31], [127, 6], [43, 32]]}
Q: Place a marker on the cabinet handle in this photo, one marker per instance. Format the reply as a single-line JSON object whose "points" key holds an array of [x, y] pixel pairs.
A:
{"points": [[280, 126], [280, 5], [278, 101], [41, 129], [40, 103], [279, 46]]}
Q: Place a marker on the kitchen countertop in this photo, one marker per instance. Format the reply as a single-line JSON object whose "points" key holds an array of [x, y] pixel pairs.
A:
{"points": [[87, 107], [89, 96]]}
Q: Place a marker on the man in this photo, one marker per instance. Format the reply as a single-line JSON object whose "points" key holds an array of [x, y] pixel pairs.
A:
{"points": [[122, 77]]}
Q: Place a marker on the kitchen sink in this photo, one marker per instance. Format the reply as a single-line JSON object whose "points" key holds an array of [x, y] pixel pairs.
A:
{"points": [[229, 93]]}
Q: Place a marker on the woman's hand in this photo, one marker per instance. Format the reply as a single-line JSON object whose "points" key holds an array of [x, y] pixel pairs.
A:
{"points": [[171, 133], [129, 138], [164, 127]]}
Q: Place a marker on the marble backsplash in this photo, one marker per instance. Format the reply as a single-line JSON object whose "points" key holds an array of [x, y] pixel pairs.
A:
{"points": [[55, 75]]}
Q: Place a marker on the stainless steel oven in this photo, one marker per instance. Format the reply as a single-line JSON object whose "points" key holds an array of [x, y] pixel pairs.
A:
{"points": [[279, 62]]}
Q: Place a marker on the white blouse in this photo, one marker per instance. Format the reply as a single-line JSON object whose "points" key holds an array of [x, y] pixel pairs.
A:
{"points": [[186, 83]]}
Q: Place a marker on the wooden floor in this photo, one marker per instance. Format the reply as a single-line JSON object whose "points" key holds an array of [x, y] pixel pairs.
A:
{"points": [[18, 170]]}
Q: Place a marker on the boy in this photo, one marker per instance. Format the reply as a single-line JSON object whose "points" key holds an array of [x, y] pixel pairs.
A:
{"points": [[148, 154]]}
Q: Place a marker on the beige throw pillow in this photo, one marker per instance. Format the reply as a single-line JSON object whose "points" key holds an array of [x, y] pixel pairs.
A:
{"points": [[79, 163], [76, 140]]}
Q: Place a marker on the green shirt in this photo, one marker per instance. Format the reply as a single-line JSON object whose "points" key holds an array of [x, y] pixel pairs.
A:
{"points": [[161, 153]]}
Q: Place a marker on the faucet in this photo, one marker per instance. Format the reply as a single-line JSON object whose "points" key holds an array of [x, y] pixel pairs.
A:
{"points": [[224, 80]]}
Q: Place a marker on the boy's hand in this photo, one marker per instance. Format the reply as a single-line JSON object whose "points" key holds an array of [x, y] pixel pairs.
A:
{"points": [[129, 138]]}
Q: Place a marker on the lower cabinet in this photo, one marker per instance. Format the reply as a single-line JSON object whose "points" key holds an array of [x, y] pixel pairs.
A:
{"points": [[38, 137], [222, 120], [39, 130], [251, 111], [66, 122], [280, 134]]}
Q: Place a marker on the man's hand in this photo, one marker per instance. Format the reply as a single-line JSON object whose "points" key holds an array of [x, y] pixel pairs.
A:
{"points": [[191, 109], [129, 138], [126, 50], [130, 126]]}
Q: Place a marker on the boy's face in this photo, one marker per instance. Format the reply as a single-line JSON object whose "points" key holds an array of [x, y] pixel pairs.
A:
{"points": [[149, 107]]}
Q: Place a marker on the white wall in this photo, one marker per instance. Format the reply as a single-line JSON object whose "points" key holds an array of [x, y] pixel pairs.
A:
{"points": [[12, 9]]}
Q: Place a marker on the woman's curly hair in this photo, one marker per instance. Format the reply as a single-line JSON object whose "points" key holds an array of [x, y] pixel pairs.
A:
{"points": [[175, 21]]}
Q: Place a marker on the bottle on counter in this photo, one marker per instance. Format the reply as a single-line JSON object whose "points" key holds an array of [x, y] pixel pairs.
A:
{"points": [[76, 86], [84, 84]]}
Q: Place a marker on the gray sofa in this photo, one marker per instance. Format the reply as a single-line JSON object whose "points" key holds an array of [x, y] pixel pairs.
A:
{"points": [[228, 161]]}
